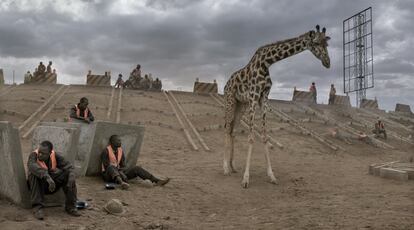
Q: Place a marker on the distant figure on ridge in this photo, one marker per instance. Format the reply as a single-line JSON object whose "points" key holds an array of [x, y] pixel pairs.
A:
{"points": [[312, 89], [332, 94]]}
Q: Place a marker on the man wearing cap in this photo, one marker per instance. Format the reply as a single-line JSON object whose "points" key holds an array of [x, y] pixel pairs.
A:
{"points": [[312, 89], [48, 171], [114, 166], [81, 111]]}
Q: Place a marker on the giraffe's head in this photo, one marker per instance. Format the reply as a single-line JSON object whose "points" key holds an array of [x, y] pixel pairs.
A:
{"points": [[318, 45]]}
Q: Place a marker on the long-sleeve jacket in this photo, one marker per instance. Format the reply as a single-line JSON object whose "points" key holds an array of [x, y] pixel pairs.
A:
{"points": [[105, 159], [73, 114], [35, 169]]}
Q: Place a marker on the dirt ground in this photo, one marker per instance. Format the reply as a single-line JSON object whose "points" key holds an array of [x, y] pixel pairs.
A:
{"points": [[319, 188]]}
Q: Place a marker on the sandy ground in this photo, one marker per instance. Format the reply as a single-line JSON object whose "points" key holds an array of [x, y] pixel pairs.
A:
{"points": [[318, 188]]}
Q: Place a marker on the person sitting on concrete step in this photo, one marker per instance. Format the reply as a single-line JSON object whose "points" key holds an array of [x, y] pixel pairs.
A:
{"points": [[49, 68], [379, 128], [81, 111], [49, 171], [41, 69], [114, 166], [119, 82]]}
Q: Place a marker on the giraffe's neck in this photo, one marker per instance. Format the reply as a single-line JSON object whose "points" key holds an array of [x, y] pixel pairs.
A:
{"points": [[283, 49]]}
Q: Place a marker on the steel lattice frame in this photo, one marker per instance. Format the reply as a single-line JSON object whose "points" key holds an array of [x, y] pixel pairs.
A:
{"points": [[358, 54]]}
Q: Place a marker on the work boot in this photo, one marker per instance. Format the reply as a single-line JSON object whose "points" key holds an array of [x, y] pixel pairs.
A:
{"points": [[163, 182], [124, 185], [38, 213], [72, 211]]}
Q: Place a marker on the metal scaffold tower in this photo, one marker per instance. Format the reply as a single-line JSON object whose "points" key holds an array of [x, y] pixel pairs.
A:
{"points": [[358, 54]]}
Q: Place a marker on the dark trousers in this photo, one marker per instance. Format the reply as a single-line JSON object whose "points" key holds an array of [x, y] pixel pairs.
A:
{"points": [[377, 132], [39, 187], [331, 99], [112, 172]]}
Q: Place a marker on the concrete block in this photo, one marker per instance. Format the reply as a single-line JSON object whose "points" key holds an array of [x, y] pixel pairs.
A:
{"points": [[86, 134], [131, 136], [94, 137], [12, 174], [65, 140], [394, 174], [303, 97], [402, 108]]}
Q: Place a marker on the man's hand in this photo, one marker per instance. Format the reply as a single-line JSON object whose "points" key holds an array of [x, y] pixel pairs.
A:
{"points": [[51, 183], [71, 180]]}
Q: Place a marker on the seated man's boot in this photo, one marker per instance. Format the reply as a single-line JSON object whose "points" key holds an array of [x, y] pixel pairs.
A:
{"points": [[123, 184], [38, 212], [72, 211], [163, 182]]}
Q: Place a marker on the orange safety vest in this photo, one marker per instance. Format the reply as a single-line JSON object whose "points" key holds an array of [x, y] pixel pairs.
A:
{"points": [[115, 161], [43, 164], [85, 113]]}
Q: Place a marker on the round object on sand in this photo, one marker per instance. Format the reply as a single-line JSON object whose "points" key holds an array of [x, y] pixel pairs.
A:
{"points": [[115, 207]]}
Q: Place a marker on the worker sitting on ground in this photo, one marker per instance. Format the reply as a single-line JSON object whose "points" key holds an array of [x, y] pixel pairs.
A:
{"points": [[48, 171], [114, 166], [379, 128], [81, 111]]}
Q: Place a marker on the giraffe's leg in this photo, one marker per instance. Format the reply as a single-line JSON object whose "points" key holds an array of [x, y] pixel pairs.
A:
{"points": [[237, 116], [266, 143], [252, 109], [229, 137]]}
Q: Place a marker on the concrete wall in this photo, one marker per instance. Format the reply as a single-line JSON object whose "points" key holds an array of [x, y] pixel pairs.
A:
{"points": [[342, 100], [131, 136], [12, 174], [205, 88], [104, 80], [303, 97], [46, 79], [94, 137], [64, 139], [402, 108], [369, 104]]}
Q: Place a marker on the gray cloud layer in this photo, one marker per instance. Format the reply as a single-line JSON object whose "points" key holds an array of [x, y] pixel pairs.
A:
{"points": [[181, 40]]}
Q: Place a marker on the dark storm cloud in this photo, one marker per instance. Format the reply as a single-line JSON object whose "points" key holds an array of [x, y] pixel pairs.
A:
{"points": [[180, 40]]}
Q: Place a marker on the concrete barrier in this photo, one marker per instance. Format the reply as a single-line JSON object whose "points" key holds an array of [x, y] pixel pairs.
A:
{"points": [[402, 108], [13, 184], [64, 139], [1, 77], [205, 88], [94, 138], [131, 137], [303, 97], [45, 79], [98, 80], [342, 100], [369, 104]]}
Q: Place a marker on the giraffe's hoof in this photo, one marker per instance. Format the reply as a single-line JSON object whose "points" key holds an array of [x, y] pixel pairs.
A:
{"points": [[245, 184], [226, 173], [274, 181]]}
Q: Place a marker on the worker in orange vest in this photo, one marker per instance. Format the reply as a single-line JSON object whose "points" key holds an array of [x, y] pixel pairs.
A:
{"points": [[48, 171], [114, 166], [81, 111], [379, 128]]}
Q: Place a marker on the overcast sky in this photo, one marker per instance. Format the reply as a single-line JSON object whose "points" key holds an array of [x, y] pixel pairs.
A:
{"points": [[180, 40]]}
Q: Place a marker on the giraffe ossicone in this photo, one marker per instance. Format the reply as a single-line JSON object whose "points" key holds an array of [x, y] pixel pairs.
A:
{"points": [[250, 86]]}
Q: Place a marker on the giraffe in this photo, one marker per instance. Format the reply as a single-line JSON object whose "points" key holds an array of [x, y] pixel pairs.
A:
{"points": [[250, 86]]}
